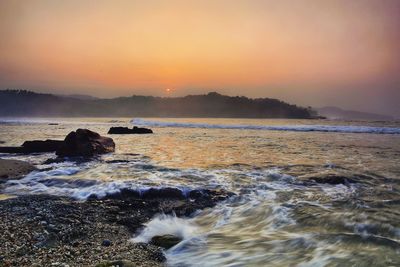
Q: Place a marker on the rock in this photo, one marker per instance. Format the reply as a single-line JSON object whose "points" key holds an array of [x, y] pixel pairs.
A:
{"points": [[42, 146], [124, 193], [51, 161], [12, 149], [195, 194], [117, 161], [168, 193], [106, 243], [36, 146], [85, 143], [14, 169], [165, 241], [126, 130], [59, 159], [332, 179]]}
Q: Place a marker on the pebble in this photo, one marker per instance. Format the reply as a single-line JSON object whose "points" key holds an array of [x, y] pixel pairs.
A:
{"points": [[106, 243], [68, 231]]}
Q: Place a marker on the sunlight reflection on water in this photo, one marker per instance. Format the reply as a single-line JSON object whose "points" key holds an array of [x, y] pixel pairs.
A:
{"points": [[276, 219]]}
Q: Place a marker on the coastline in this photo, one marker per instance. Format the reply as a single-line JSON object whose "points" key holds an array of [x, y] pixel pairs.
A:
{"points": [[44, 230]]}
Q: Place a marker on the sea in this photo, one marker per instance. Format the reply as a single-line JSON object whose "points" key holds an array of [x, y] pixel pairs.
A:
{"points": [[279, 215]]}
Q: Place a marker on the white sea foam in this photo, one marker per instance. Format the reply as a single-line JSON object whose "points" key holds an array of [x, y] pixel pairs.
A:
{"points": [[292, 128], [66, 180], [263, 212], [81, 189], [166, 225]]}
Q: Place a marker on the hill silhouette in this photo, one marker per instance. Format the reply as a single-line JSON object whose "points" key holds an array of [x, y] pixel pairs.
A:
{"points": [[32, 104]]}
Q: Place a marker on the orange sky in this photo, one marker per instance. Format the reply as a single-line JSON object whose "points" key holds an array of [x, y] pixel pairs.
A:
{"points": [[309, 52]]}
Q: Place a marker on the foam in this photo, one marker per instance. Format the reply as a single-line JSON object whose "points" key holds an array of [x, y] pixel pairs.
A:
{"points": [[166, 225], [291, 128]]}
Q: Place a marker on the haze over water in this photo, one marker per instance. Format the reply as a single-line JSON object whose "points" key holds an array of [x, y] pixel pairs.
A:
{"points": [[278, 217]]}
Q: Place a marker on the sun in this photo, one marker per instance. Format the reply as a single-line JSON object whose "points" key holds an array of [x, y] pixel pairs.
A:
{"points": [[168, 90]]}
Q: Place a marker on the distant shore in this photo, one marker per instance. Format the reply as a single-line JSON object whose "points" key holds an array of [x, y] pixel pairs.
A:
{"points": [[211, 105]]}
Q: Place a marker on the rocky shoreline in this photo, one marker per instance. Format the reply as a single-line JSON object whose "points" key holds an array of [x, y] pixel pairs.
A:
{"points": [[47, 230], [43, 230]]}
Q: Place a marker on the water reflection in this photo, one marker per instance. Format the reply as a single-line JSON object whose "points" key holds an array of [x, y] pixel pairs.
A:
{"points": [[278, 217]]}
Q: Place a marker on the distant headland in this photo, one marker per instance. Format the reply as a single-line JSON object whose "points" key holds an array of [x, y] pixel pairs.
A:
{"points": [[31, 104]]}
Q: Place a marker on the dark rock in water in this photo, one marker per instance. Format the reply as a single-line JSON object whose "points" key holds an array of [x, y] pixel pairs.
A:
{"points": [[124, 193], [36, 146], [12, 149], [205, 197], [14, 169], [332, 179], [106, 243], [214, 195], [53, 123], [126, 130], [168, 192], [165, 241], [77, 160], [51, 161], [42, 146], [117, 161], [195, 194], [85, 143], [2, 142], [139, 130]]}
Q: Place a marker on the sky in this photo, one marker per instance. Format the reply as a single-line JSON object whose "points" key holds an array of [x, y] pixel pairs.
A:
{"points": [[307, 52]]}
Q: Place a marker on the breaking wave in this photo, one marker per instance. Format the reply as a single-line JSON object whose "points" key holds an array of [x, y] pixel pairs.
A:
{"points": [[166, 225], [292, 128]]}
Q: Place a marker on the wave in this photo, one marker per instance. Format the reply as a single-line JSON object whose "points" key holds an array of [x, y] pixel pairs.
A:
{"points": [[60, 182], [291, 128], [166, 225]]}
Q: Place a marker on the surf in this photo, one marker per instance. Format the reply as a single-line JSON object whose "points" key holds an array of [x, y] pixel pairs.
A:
{"points": [[290, 128]]}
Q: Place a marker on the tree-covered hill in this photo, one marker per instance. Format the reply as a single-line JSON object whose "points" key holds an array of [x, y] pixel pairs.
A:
{"points": [[30, 104]]}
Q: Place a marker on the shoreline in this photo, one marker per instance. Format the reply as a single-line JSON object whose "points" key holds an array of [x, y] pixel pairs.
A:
{"points": [[43, 230]]}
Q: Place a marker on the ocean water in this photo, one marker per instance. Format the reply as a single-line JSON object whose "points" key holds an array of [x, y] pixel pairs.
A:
{"points": [[277, 218]]}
